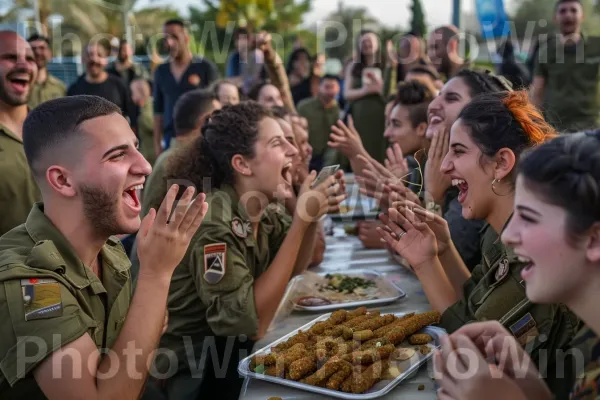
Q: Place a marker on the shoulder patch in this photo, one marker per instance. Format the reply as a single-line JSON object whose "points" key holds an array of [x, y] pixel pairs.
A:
{"points": [[214, 262], [41, 298], [240, 228]]}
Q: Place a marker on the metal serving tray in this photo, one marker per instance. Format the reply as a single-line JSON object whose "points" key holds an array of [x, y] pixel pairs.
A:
{"points": [[382, 388], [369, 274]]}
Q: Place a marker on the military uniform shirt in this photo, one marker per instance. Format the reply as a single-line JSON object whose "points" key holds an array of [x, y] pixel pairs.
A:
{"points": [[18, 189], [225, 242], [587, 386], [496, 291], [571, 95], [50, 296], [52, 88]]}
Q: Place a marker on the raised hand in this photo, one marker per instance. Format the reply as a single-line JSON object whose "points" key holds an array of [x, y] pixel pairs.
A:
{"points": [[395, 161], [162, 243], [503, 350], [392, 55], [346, 139], [463, 372], [324, 198], [375, 86], [412, 239], [367, 233], [437, 183], [437, 224]]}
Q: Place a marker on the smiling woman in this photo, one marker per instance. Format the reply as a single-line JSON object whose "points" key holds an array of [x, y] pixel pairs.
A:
{"points": [[486, 142], [235, 272]]}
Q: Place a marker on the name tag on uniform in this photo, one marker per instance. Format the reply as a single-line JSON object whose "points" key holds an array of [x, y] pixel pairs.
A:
{"points": [[214, 262], [41, 298], [525, 329]]}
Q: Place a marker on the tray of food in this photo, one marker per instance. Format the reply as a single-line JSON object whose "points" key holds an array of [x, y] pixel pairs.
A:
{"points": [[323, 291], [348, 354]]}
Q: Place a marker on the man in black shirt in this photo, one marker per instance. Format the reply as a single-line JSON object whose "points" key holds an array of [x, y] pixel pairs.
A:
{"points": [[181, 74], [96, 81]]}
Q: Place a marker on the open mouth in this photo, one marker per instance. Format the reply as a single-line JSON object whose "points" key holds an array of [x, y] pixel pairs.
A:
{"points": [[130, 197], [435, 119], [463, 188], [286, 173], [19, 84], [528, 268]]}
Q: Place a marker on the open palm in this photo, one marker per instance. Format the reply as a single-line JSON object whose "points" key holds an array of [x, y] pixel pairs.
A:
{"points": [[437, 224], [413, 240]]}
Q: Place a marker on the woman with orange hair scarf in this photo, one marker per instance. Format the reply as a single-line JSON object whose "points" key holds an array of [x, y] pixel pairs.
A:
{"points": [[486, 141]]}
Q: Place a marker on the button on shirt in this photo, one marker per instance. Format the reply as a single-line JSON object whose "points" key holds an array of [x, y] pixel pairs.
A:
{"points": [[37, 253], [199, 74]]}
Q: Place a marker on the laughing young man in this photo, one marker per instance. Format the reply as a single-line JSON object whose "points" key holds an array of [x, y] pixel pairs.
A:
{"points": [[65, 285], [18, 71]]}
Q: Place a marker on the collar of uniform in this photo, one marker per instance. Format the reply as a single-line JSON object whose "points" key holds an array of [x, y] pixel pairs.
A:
{"points": [[9, 133], [53, 251]]}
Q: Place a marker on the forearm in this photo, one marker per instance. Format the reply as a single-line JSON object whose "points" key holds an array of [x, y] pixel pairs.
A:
{"points": [[354, 94], [270, 287], [437, 286], [455, 268], [307, 247], [134, 346], [279, 78]]}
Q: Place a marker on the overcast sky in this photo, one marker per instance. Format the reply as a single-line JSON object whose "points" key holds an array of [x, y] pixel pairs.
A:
{"points": [[395, 13]]}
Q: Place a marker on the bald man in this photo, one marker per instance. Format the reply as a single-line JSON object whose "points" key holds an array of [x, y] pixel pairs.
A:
{"points": [[98, 82], [442, 49], [18, 71]]}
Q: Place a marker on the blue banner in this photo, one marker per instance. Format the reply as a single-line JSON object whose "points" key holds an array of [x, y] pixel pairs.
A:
{"points": [[492, 19]]}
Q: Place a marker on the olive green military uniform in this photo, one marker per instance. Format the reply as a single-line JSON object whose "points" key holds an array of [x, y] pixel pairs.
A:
{"points": [[587, 386], [211, 297], [145, 131], [52, 88], [320, 121], [50, 296], [18, 190], [571, 94], [496, 291], [368, 114]]}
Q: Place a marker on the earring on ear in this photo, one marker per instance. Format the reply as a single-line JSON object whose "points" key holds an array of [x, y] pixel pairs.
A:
{"points": [[494, 182]]}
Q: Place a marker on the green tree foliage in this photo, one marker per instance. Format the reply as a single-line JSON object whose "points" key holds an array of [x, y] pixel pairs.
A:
{"points": [[417, 24]]}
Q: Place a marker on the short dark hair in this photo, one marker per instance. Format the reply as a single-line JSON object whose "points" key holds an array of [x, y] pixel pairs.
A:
{"points": [[240, 31], [559, 2], [565, 173], [36, 36], [217, 86], [254, 91], [189, 107], [55, 122], [427, 70], [330, 77], [416, 98], [175, 21], [280, 112]]}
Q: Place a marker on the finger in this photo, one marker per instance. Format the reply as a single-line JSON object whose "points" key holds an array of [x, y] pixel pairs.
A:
{"points": [[309, 180], [146, 223], [192, 212], [469, 349], [166, 206], [198, 219], [336, 200], [398, 152], [434, 146], [442, 375], [445, 143], [389, 153], [182, 207], [392, 224], [351, 123], [338, 131], [386, 238], [400, 219]]}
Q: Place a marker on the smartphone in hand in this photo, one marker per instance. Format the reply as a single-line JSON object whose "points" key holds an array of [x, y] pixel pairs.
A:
{"points": [[325, 173]]}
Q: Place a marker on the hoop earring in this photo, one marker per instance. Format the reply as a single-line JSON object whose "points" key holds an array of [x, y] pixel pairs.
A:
{"points": [[494, 188]]}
